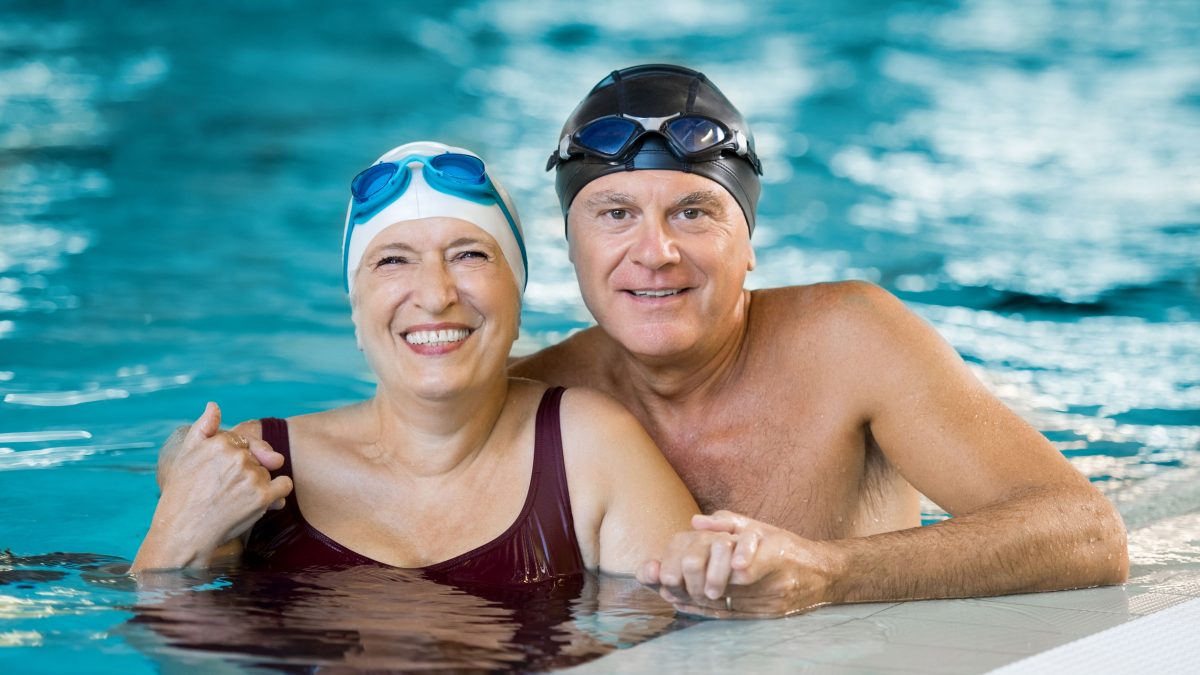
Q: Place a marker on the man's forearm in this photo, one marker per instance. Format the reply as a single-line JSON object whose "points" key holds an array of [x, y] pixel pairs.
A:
{"points": [[1042, 540]]}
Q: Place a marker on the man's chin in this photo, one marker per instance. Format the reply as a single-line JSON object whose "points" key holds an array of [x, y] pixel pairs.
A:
{"points": [[658, 341]]}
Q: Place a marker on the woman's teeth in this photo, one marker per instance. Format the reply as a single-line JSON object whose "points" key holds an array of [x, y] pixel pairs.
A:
{"points": [[426, 337]]}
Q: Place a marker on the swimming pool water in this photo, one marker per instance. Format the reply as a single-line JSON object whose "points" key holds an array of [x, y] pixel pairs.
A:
{"points": [[1025, 175]]}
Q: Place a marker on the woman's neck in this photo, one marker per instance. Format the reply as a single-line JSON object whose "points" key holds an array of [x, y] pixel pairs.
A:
{"points": [[432, 437]]}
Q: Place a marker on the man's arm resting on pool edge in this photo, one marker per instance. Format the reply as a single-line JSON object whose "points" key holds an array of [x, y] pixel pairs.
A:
{"points": [[1034, 542], [1024, 518]]}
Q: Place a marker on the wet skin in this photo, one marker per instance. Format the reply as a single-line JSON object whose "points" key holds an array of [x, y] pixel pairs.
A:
{"points": [[439, 461], [814, 415], [821, 410]]}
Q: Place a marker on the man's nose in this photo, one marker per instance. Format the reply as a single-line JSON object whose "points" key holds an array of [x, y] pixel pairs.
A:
{"points": [[437, 288], [655, 245]]}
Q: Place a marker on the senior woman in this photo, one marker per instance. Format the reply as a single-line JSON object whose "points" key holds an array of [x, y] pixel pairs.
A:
{"points": [[452, 468]]}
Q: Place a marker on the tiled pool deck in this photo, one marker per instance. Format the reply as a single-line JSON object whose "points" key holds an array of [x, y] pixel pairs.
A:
{"points": [[947, 636]]}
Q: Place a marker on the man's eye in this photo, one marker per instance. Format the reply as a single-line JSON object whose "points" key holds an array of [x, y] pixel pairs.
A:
{"points": [[618, 214], [691, 214], [471, 255]]}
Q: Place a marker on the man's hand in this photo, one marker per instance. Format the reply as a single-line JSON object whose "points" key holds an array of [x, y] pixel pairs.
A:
{"points": [[731, 566], [214, 490]]}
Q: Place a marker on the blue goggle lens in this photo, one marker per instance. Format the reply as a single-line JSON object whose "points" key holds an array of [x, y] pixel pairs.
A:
{"points": [[695, 134], [462, 168], [372, 180], [607, 136]]}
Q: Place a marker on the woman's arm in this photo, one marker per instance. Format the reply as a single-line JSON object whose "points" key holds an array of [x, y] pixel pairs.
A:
{"points": [[627, 500], [216, 488]]}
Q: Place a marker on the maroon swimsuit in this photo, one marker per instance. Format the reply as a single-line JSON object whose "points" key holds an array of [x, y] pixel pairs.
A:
{"points": [[539, 546]]}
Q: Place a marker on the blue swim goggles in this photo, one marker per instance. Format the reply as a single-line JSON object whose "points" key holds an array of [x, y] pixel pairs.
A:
{"points": [[451, 173], [690, 136]]}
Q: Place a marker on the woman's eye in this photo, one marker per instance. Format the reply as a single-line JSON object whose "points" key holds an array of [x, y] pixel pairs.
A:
{"points": [[391, 260]]}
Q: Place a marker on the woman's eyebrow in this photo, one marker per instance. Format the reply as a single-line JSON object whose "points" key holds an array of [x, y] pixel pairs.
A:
{"points": [[469, 241], [393, 246]]}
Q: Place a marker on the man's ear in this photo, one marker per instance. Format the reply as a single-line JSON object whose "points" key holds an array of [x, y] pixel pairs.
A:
{"points": [[752, 260]]}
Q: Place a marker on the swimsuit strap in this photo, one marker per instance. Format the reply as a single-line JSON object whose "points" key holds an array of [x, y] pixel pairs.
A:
{"points": [[549, 467], [275, 433]]}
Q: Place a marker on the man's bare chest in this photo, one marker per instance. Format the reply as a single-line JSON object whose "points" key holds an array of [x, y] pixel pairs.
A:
{"points": [[797, 473]]}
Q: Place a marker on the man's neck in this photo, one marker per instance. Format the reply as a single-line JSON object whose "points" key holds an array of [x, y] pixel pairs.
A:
{"points": [[665, 386]]}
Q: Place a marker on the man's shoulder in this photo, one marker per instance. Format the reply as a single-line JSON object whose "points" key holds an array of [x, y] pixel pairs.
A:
{"points": [[824, 306], [573, 362]]}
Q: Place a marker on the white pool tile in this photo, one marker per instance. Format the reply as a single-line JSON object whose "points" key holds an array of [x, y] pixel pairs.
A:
{"points": [[770, 664], [1149, 603], [926, 633], [923, 659], [935, 636], [1112, 599], [998, 612], [853, 611], [1166, 643]]}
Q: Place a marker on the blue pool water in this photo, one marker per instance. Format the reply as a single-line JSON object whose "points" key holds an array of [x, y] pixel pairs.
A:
{"points": [[1026, 175]]}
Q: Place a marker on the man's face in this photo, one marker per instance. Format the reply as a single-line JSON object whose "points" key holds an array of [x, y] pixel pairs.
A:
{"points": [[661, 257]]}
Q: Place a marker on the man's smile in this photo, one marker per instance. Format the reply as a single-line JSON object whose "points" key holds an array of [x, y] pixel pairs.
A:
{"points": [[656, 292]]}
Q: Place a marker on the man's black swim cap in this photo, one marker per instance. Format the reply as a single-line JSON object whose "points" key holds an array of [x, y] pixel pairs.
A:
{"points": [[659, 92]]}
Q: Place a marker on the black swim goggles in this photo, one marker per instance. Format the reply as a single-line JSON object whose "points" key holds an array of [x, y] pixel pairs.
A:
{"points": [[689, 136]]}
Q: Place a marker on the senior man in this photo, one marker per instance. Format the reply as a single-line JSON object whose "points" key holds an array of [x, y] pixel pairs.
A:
{"points": [[812, 415]]}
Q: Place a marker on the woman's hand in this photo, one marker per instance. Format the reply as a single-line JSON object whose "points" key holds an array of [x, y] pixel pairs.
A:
{"points": [[731, 566], [214, 492]]}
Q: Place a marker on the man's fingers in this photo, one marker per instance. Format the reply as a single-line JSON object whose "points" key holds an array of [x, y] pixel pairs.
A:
{"points": [[205, 426], [721, 521], [265, 454], [280, 487], [747, 548], [713, 524]]}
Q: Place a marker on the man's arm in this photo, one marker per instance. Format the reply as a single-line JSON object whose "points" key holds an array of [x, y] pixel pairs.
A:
{"points": [[1023, 518], [214, 486], [168, 454]]}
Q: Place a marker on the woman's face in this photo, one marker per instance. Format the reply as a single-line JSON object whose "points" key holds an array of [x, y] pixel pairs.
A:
{"points": [[435, 307]]}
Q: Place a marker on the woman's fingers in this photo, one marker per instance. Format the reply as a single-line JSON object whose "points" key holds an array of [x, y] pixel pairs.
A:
{"points": [[717, 574], [647, 573], [697, 565], [694, 566]]}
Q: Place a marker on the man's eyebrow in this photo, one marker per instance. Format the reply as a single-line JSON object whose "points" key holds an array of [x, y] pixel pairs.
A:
{"points": [[707, 198], [609, 197]]}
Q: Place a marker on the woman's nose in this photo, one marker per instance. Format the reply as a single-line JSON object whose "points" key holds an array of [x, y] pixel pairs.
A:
{"points": [[436, 289]]}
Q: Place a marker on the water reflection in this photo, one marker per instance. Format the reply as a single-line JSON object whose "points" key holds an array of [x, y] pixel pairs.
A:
{"points": [[379, 619], [364, 618]]}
